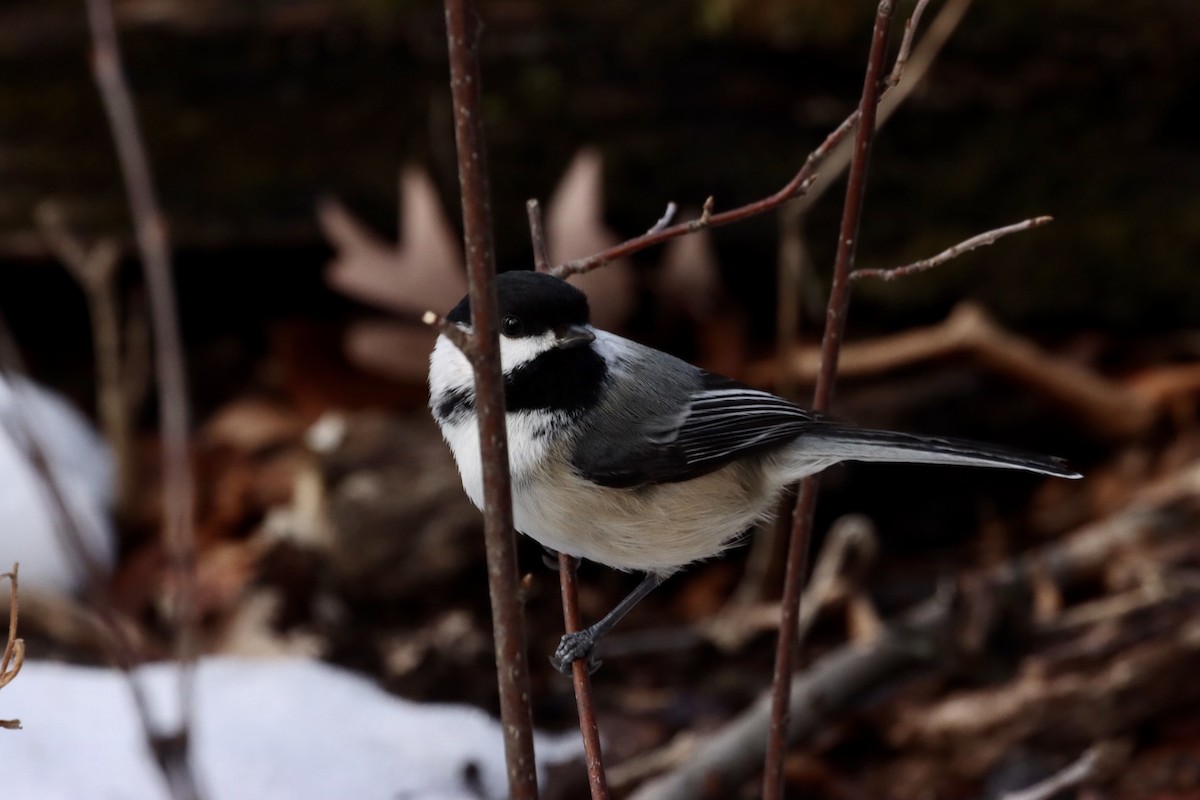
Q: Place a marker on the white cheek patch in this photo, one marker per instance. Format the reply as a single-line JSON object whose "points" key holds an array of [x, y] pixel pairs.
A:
{"points": [[517, 351]]}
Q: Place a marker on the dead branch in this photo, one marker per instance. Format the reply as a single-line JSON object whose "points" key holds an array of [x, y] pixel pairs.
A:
{"points": [[966, 246], [1105, 407], [924, 637]]}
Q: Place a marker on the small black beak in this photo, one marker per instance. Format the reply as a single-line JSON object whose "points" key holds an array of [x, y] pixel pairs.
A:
{"points": [[574, 335]]}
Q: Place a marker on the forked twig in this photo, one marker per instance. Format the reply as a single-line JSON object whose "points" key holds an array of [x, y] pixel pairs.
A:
{"points": [[95, 270], [965, 246], [794, 188], [906, 42]]}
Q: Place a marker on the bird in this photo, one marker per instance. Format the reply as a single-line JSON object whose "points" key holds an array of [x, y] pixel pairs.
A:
{"points": [[629, 457]]}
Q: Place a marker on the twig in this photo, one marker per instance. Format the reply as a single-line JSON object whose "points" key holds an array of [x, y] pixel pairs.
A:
{"points": [[910, 28], [537, 234], [95, 270], [793, 188], [899, 87], [666, 218], [462, 34], [831, 341], [582, 681], [151, 234], [14, 648], [965, 246], [1085, 769], [800, 183]]}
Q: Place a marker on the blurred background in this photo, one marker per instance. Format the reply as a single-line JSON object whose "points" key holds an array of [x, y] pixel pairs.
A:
{"points": [[303, 152]]}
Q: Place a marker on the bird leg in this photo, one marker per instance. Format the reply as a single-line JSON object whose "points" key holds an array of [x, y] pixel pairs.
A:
{"points": [[577, 645]]}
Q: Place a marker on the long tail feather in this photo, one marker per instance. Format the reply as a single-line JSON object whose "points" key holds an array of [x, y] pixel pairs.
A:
{"points": [[834, 442]]}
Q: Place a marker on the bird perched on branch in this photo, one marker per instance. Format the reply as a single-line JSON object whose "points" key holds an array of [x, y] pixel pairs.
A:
{"points": [[632, 458]]}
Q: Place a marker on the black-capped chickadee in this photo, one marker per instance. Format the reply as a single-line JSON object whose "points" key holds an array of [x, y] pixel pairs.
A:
{"points": [[630, 457]]}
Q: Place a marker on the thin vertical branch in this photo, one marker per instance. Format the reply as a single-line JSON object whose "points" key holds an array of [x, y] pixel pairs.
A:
{"points": [[835, 323], [462, 33], [568, 584], [151, 234], [582, 682]]}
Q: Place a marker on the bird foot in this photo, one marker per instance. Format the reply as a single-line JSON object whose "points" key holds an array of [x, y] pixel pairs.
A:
{"points": [[573, 647]]}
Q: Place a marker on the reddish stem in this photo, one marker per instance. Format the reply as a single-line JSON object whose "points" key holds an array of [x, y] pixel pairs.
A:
{"points": [[831, 342], [508, 624], [583, 682]]}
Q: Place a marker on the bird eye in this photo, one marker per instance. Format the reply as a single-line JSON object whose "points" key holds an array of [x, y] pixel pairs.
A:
{"points": [[511, 326]]}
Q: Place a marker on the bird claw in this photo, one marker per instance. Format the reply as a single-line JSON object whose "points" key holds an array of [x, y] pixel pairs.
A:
{"points": [[573, 647]]}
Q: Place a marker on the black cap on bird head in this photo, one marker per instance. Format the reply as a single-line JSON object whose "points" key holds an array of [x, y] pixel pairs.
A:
{"points": [[531, 303]]}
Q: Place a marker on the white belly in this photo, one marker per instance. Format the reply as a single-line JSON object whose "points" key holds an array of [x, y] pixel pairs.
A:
{"points": [[655, 528]]}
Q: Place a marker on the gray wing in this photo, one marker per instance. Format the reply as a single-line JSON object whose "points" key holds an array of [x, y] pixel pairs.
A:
{"points": [[695, 423]]}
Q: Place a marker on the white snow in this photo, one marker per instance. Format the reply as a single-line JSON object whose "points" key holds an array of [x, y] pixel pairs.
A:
{"points": [[264, 730], [81, 462]]}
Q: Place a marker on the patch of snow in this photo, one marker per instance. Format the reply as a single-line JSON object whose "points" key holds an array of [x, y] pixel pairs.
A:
{"points": [[284, 729], [80, 461]]}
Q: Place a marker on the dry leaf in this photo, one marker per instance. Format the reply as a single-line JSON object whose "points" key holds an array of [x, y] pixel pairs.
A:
{"points": [[575, 228], [423, 271]]}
